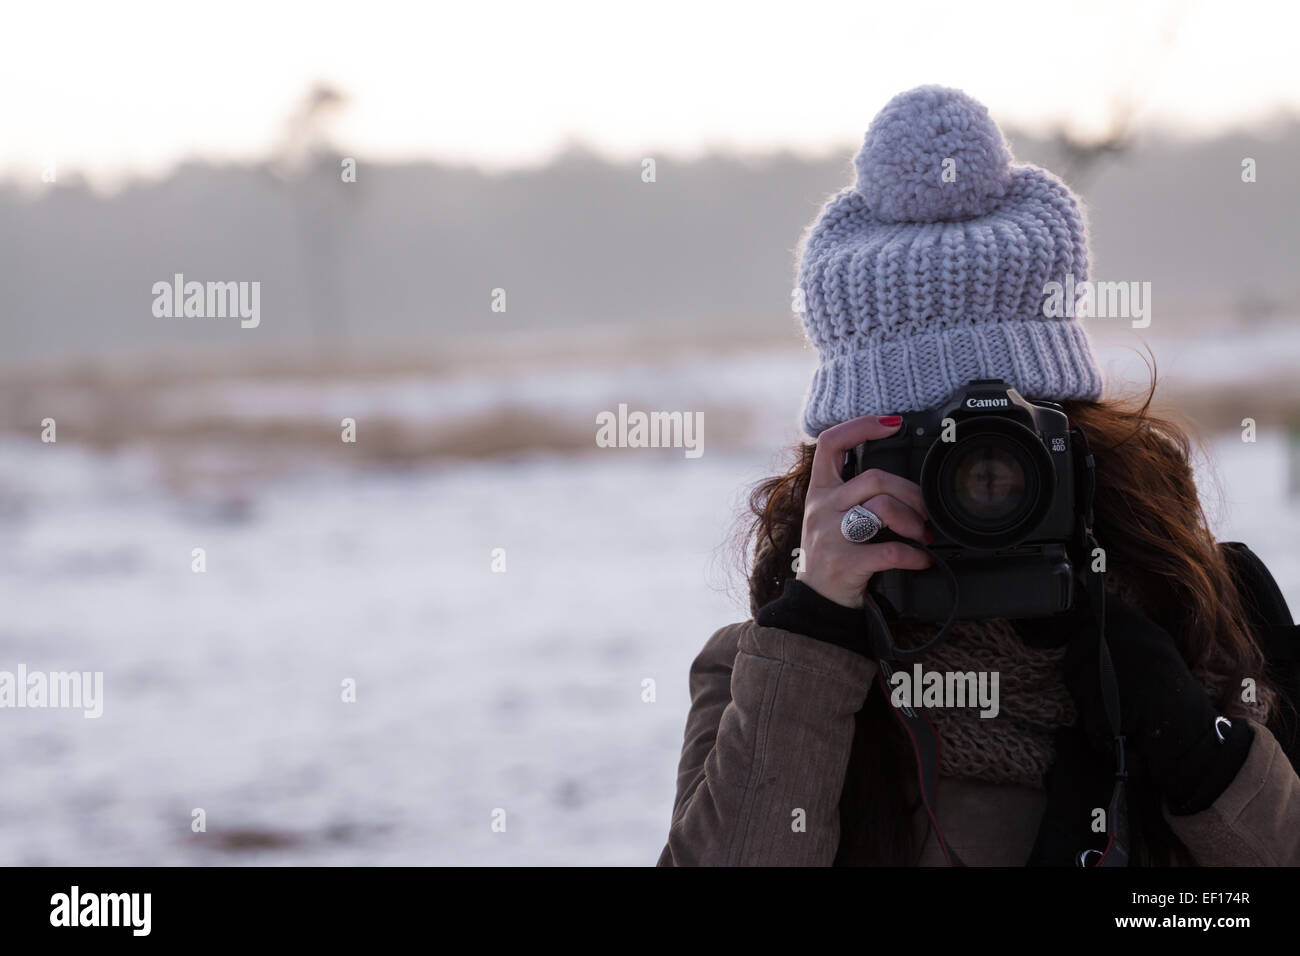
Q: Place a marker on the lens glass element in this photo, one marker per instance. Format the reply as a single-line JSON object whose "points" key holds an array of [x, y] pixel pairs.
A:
{"points": [[988, 483]]}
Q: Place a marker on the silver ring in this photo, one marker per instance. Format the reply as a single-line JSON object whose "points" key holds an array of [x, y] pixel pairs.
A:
{"points": [[860, 524]]}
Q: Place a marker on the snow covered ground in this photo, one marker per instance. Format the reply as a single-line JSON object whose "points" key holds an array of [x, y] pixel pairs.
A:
{"points": [[476, 690]]}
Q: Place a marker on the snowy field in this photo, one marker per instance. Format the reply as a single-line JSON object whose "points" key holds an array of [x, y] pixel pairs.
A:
{"points": [[475, 690]]}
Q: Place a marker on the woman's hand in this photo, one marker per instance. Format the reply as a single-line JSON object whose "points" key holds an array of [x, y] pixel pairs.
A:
{"points": [[833, 566], [1154, 683], [1166, 715]]}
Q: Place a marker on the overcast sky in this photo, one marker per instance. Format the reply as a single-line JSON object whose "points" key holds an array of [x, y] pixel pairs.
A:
{"points": [[126, 88]]}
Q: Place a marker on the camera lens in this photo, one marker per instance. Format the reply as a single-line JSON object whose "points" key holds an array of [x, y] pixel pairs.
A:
{"points": [[989, 488], [988, 483]]}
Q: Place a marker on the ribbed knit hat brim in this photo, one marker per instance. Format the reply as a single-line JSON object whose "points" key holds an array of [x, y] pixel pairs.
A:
{"points": [[1052, 360]]}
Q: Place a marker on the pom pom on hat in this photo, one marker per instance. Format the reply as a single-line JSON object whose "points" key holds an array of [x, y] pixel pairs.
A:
{"points": [[933, 154]]}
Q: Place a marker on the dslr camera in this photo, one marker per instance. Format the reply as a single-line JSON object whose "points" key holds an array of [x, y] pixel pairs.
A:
{"points": [[1006, 491]]}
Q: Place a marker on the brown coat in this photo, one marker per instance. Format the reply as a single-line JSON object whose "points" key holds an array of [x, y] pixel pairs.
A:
{"points": [[769, 733]]}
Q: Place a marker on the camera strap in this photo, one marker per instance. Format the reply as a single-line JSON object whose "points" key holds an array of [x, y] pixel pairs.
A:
{"points": [[925, 747], [920, 732], [1117, 850]]}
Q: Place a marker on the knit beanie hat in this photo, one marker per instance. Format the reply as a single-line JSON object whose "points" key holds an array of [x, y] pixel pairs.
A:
{"points": [[930, 271]]}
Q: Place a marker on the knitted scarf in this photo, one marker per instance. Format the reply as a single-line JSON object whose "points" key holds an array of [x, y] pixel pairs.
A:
{"points": [[1016, 746]]}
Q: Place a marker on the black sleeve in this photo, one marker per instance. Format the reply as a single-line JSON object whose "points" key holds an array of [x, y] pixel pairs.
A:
{"points": [[802, 610], [1208, 769]]}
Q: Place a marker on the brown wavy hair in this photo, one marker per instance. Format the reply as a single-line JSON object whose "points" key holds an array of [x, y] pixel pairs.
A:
{"points": [[1150, 521]]}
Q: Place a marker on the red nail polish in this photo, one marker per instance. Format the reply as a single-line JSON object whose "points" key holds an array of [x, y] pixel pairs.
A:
{"points": [[890, 420], [929, 536]]}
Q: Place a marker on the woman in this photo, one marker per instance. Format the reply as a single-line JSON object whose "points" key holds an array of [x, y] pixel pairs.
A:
{"points": [[930, 272]]}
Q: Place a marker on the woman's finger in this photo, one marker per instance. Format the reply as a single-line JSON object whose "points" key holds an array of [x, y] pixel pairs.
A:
{"points": [[828, 459], [876, 481], [900, 518], [894, 554]]}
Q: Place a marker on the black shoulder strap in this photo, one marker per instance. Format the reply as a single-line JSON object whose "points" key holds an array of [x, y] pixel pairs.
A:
{"points": [[1263, 597], [1278, 636]]}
